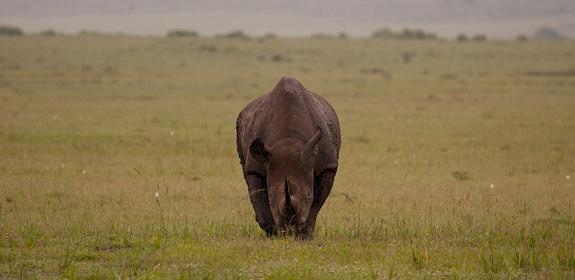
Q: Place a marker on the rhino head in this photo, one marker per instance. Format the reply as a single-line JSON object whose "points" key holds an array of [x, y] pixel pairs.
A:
{"points": [[290, 179]]}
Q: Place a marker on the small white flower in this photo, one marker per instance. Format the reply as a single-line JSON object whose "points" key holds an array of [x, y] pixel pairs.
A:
{"points": [[84, 171], [172, 133], [156, 195], [492, 186], [567, 177]]}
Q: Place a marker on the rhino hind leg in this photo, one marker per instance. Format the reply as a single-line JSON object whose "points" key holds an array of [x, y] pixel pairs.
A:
{"points": [[259, 198], [322, 188]]}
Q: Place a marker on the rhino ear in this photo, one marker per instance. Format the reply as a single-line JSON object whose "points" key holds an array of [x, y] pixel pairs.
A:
{"points": [[259, 151]]}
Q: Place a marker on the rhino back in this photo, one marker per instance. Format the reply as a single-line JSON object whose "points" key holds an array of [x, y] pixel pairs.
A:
{"points": [[290, 110]]}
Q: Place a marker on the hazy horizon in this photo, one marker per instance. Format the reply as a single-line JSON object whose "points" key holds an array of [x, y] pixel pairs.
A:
{"points": [[498, 19]]}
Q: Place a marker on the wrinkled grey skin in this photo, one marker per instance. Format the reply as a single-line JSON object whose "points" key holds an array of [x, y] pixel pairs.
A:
{"points": [[288, 142]]}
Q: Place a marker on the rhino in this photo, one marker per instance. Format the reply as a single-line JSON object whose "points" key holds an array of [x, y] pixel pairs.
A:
{"points": [[288, 142]]}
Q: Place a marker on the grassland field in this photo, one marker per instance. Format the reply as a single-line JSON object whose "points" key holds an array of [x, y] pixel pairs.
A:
{"points": [[457, 160]]}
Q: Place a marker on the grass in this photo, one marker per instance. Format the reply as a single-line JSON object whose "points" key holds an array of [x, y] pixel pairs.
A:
{"points": [[453, 163]]}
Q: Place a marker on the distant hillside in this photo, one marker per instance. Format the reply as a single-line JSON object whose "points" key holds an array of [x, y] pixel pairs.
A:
{"points": [[298, 17]]}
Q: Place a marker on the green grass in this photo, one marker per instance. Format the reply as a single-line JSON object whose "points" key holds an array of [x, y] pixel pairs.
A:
{"points": [[92, 126]]}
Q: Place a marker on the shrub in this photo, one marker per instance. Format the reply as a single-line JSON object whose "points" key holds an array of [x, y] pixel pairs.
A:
{"points": [[547, 33], [270, 36], [9, 30], [48, 32], [321, 36], [415, 34], [182, 33], [383, 33], [236, 34], [479, 38], [522, 38], [462, 38], [90, 33]]}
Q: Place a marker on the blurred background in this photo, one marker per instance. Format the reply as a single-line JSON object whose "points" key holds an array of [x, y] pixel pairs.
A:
{"points": [[446, 18]]}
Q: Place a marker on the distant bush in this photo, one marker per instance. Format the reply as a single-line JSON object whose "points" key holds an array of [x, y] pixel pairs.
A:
{"points": [[462, 38], [522, 38], [279, 58], [342, 35], [383, 33], [9, 30], [99, 33], [270, 36], [547, 33], [479, 38], [236, 34], [48, 32], [267, 36], [415, 34], [182, 33], [90, 33], [321, 36]]}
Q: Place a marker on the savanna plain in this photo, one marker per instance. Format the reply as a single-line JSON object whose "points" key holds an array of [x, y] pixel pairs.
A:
{"points": [[118, 158]]}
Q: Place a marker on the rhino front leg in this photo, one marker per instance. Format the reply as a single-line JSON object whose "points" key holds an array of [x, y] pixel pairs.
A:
{"points": [[322, 188], [259, 197]]}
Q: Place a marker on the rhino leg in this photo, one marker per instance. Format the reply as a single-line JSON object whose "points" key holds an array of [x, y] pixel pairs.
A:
{"points": [[322, 188], [259, 198]]}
